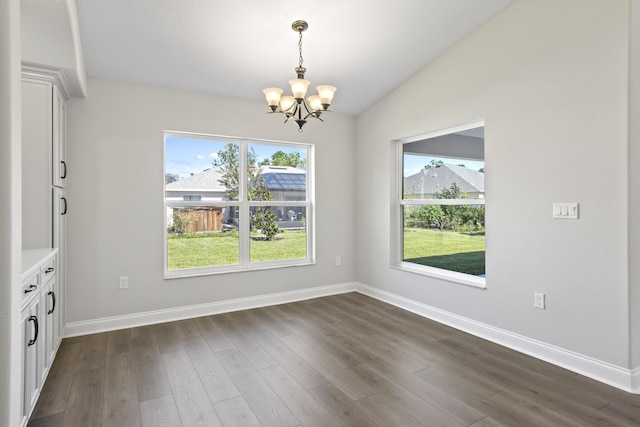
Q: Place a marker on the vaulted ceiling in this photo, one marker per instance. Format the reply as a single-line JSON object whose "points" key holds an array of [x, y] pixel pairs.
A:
{"points": [[365, 48]]}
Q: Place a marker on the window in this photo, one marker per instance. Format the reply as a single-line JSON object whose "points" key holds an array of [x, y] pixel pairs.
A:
{"points": [[440, 220], [236, 204]]}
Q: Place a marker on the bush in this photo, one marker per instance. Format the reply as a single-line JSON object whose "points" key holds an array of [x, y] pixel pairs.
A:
{"points": [[183, 220]]}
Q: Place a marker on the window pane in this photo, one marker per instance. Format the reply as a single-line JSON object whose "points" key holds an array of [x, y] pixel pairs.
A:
{"points": [[201, 237], [201, 169], [276, 173], [450, 237], [274, 237]]}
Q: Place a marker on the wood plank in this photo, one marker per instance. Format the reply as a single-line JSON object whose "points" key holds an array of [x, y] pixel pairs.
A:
{"points": [[266, 320], [168, 337], [399, 399], [84, 407], [94, 352], [151, 376], [237, 329], [190, 397], [118, 341], [264, 402], [314, 355], [300, 402], [53, 397], [213, 334], [304, 373], [54, 420], [160, 412], [428, 392], [121, 404], [214, 377], [236, 412], [341, 406]]}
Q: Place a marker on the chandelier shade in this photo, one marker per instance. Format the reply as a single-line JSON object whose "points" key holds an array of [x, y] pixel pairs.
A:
{"points": [[296, 106]]}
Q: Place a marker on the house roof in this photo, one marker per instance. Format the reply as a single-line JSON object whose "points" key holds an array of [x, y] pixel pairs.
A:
{"points": [[284, 178], [430, 181], [275, 178], [206, 180]]}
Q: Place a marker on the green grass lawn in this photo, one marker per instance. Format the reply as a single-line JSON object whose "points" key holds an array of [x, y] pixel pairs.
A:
{"points": [[214, 249], [449, 250]]}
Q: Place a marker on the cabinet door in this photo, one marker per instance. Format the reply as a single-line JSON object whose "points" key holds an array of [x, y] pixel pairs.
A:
{"points": [[37, 137], [50, 318], [60, 210], [59, 159], [32, 352]]}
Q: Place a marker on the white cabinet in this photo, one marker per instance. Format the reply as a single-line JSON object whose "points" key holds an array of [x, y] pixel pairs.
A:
{"points": [[39, 322], [44, 210]]}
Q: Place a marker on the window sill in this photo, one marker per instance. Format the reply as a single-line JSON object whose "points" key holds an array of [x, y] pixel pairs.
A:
{"points": [[438, 273]]}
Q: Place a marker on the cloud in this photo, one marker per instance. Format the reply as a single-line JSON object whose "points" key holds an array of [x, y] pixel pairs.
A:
{"points": [[200, 157], [213, 155]]}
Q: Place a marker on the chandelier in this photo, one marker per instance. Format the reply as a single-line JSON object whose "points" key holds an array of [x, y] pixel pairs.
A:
{"points": [[296, 106]]}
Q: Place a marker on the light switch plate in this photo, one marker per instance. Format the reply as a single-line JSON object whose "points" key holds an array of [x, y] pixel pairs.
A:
{"points": [[565, 210]]}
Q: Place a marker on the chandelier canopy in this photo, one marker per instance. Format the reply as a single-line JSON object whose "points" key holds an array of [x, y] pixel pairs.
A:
{"points": [[296, 106]]}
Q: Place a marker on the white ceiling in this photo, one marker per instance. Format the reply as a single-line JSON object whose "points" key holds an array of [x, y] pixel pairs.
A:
{"points": [[365, 48]]}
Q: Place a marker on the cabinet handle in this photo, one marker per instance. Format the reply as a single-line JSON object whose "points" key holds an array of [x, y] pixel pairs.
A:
{"points": [[64, 211], [31, 288], [48, 270], [64, 175], [53, 299], [33, 319]]}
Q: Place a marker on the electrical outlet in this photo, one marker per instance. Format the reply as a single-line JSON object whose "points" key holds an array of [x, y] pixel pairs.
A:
{"points": [[538, 300], [338, 260], [124, 282]]}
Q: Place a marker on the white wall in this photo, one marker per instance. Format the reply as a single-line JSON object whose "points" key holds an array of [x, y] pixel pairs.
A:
{"points": [[550, 78], [10, 209], [116, 182]]}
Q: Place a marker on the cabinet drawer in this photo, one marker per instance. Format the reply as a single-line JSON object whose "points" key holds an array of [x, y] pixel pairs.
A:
{"points": [[48, 270], [30, 286]]}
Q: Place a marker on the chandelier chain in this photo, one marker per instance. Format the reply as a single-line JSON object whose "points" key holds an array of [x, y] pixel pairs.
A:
{"points": [[300, 49]]}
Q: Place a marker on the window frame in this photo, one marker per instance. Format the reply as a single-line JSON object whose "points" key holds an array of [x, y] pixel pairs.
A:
{"points": [[399, 202], [244, 206]]}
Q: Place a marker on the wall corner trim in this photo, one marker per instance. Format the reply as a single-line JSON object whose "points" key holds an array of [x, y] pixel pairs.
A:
{"points": [[624, 379], [179, 313]]}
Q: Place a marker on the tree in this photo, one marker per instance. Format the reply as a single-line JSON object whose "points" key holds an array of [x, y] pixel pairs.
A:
{"points": [[280, 158], [457, 215], [229, 163], [434, 164], [171, 177], [481, 170], [427, 215], [262, 218]]}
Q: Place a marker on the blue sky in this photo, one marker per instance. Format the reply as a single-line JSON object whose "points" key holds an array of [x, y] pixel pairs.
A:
{"points": [[185, 155]]}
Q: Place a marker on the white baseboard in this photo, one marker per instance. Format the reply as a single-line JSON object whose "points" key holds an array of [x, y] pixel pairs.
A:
{"points": [[168, 315], [624, 379]]}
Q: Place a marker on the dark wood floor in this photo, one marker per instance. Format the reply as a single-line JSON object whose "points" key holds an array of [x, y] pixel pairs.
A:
{"points": [[340, 360]]}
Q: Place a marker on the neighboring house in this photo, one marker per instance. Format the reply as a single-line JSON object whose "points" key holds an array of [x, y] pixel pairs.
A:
{"points": [[427, 182], [201, 187], [285, 183]]}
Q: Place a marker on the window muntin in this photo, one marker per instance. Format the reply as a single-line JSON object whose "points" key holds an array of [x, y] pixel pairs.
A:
{"points": [[228, 204], [441, 215]]}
